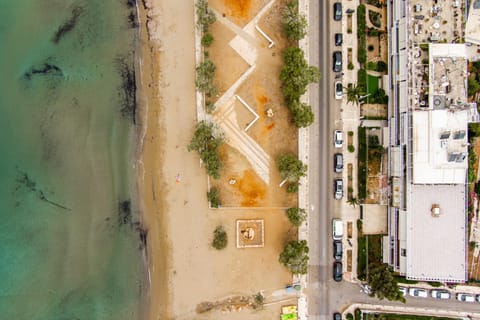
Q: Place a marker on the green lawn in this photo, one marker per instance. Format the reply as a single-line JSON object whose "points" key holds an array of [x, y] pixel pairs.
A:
{"points": [[392, 316], [372, 84]]}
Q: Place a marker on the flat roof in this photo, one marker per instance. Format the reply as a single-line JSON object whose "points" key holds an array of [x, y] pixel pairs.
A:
{"points": [[436, 245], [439, 147], [472, 30]]}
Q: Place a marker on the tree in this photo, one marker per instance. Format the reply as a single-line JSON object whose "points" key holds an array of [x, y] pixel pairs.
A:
{"points": [[291, 168], [205, 75], [302, 114], [353, 94], [473, 86], [294, 24], [207, 39], [206, 140], [295, 256], [296, 216], [383, 283], [353, 201], [219, 238], [296, 74], [205, 16], [213, 198]]}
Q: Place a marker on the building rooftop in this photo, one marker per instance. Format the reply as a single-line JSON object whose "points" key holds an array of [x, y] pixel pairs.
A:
{"points": [[436, 235], [439, 146], [472, 29]]}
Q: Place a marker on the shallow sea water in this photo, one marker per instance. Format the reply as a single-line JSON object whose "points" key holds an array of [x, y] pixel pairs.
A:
{"points": [[70, 246]]}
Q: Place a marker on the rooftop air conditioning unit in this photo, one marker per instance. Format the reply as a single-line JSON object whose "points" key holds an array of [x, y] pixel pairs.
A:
{"points": [[435, 210]]}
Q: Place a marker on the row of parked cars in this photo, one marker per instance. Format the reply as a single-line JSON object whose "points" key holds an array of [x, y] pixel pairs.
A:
{"points": [[338, 164], [439, 294], [337, 232]]}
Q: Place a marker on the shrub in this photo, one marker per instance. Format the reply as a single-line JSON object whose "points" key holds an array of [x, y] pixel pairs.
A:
{"points": [[209, 107], [207, 39], [295, 257], [362, 79], [213, 198], [205, 75], [205, 16], [206, 140], [296, 216], [294, 24], [349, 316], [382, 66], [350, 133], [351, 148], [219, 238], [350, 66], [296, 74], [361, 29], [292, 188]]}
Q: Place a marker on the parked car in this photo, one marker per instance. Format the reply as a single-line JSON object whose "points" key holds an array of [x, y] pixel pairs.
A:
{"points": [[337, 316], [338, 39], [440, 294], [465, 297], [418, 292], [337, 11], [338, 138], [338, 162], [478, 297], [338, 90], [337, 229], [403, 290], [338, 189], [337, 250], [337, 271], [337, 61]]}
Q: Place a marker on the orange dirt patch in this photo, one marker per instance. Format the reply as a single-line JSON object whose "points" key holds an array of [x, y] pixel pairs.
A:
{"points": [[251, 188], [239, 8]]}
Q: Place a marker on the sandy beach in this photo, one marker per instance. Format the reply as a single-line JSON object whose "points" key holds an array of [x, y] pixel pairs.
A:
{"points": [[184, 269]]}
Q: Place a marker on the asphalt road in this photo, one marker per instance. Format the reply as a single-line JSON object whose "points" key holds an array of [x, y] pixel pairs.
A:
{"points": [[324, 295]]}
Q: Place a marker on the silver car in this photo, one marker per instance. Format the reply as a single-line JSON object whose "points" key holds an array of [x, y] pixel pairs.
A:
{"points": [[440, 294]]}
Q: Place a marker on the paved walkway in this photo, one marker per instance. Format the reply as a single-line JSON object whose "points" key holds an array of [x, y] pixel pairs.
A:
{"points": [[410, 310]]}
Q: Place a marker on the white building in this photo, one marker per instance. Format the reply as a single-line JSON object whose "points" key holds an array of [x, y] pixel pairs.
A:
{"points": [[428, 121]]}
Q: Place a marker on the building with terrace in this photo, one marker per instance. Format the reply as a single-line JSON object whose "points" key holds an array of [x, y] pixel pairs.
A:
{"points": [[428, 144]]}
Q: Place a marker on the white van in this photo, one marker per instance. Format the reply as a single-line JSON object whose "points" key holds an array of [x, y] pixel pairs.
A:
{"points": [[337, 226]]}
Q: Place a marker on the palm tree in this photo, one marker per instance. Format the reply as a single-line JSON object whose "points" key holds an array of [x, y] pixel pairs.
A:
{"points": [[354, 92], [353, 201]]}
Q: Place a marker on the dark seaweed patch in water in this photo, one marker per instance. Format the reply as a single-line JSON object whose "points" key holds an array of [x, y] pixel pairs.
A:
{"points": [[131, 3], [68, 25], [124, 213], [23, 180], [45, 69], [128, 90], [132, 19], [125, 218]]}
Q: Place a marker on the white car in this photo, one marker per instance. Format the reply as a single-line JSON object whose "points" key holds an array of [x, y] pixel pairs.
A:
{"points": [[338, 138], [418, 292], [338, 90], [403, 290], [465, 297], [440, 294]]}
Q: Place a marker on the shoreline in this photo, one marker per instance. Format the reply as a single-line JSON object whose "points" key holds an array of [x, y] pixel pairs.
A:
{"points": [[148, 163]]}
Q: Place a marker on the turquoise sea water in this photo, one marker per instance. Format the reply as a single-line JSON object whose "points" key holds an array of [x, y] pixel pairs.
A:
{"points": [[70, 247]]}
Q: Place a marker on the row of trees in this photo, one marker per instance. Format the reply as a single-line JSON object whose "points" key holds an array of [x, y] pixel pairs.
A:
{"points": [[206, 69], [296, 74]]}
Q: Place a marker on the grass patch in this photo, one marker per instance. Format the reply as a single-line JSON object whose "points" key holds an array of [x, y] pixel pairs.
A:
{"points": [[361, 29], [369, 251], [393, 316], [401, 279], [362, 164], [372, 84]]}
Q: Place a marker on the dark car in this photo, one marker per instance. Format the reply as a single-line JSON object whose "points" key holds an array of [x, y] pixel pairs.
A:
{"points": [[337, 11], [337, 271], [338, 39], [337, 61], [337, 316], [338, 162], [337, 250]]}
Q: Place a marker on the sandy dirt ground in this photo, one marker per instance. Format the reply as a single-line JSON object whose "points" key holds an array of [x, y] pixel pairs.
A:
{"points": [[184, 269]]}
